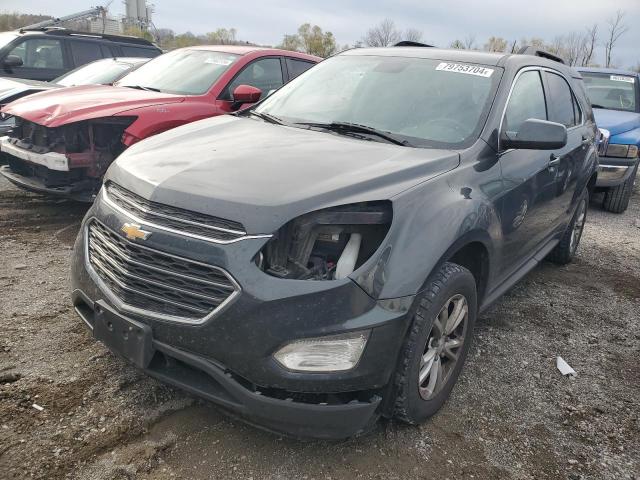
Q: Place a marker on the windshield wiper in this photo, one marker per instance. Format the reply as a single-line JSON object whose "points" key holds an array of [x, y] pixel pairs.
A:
{"points": [[346, 127], [595, 105], [142, 87], [267, 117]]}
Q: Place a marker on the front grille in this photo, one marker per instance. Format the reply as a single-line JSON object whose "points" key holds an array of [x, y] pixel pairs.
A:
{"points": [[173, 218], [155, 282]]}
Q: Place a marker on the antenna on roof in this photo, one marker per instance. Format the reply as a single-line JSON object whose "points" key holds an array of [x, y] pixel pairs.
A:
{"points": [[537, 52], [411, 43]]}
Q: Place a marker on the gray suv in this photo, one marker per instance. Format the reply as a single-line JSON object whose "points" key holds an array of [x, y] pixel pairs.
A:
{"points": [[319, 260]]}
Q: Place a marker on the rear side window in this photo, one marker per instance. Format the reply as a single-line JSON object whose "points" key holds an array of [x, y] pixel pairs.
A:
{"points": [[128, 51], [297, 67], [40, 53], [527, 101], [562, 106], [85, 52]]}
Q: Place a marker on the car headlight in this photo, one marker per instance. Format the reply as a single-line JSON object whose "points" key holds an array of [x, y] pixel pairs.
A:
{"points": [[333, 353], [622, 151], [327, 244]]}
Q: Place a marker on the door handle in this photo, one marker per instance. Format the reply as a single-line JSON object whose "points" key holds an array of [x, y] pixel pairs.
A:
{"points": [[554, 160], [585, 139]]}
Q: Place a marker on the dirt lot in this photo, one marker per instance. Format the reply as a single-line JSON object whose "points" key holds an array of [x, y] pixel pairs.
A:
{"points": [[512, 415]]}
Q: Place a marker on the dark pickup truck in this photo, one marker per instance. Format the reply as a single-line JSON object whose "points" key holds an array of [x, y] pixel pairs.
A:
{"points": [[319, 260]]}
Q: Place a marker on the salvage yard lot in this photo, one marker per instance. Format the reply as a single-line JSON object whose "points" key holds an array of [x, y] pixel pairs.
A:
{"points": [[511, 416]]}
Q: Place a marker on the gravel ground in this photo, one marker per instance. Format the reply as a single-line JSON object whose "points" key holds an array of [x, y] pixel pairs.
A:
{"points": [[511, 416]]}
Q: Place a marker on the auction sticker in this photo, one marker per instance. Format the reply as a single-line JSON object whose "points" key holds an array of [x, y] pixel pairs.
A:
{"points": [[620, 78], [466, 69]]}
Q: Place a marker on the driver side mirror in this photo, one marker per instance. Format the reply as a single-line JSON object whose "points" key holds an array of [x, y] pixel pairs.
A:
{"points": [[12, 61], [536, 134], [246, 94]]}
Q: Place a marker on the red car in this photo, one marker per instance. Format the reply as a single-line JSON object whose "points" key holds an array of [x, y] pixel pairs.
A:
{"points": [[64, 140]]}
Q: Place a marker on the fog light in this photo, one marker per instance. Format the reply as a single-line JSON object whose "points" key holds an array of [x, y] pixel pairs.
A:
{"points": [[333, 353]]}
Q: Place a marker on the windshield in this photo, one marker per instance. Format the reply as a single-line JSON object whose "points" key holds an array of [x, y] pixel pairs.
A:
{"points": [[427, 103], [614, 92], [183, 72], [99, 72], [6, 38]]}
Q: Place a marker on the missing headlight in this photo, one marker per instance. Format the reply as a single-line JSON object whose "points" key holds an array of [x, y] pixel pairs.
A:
{"points": [[327, 244]]}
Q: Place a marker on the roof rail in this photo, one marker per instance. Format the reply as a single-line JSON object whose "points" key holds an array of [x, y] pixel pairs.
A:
{"points": [[411, 43], [114, 38], [538, 52]]}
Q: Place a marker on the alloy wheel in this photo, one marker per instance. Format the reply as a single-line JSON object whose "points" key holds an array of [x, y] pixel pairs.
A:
{"points": [[444, 346], [578, 226]]}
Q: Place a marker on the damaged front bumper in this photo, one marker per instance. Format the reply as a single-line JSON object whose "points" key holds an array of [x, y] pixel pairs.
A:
{"points": [[229, 357]]}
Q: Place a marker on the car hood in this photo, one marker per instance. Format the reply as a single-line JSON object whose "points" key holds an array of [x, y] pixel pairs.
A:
{"points": [[616, 121], [74, 104], [263, 175]]}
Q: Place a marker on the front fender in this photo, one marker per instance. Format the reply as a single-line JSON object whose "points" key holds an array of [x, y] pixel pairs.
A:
{"points": [[431, 222]]}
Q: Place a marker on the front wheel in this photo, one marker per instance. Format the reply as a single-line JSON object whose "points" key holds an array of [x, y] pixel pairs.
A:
{"points": [[616, 199], [436, 345]]}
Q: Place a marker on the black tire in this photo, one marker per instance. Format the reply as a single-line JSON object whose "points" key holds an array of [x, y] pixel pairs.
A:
{"points": [[450, 281], [564, 252], [616, 199]]}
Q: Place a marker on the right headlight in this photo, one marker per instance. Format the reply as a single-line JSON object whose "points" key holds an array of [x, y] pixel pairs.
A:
{"points": [[622, 151], [327, 244]]}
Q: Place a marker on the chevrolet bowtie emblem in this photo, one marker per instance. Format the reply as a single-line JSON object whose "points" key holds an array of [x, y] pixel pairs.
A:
{"points": [[134, 232]]}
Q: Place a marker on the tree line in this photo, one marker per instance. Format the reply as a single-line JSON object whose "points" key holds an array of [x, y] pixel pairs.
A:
{"points": [[577, 48]]}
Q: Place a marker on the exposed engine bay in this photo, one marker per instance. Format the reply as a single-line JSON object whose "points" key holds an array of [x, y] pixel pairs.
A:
{"points": [[88, 146], [328, 244]]}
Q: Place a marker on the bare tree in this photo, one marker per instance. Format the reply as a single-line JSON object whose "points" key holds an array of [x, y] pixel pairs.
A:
{"points": [[591, 40], [412, 35], [383, 35], [457, 44], [616, 28], [574, 46], [470, 42], [495, 44]]}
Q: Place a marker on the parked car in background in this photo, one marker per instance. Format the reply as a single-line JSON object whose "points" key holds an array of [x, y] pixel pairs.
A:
{"points": [[45, 54], [64, 141], [319, 260], [104, 72], [615, 98]]}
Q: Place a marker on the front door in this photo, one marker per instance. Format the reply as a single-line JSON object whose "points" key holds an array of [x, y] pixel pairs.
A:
{"points": [[529, 212]]}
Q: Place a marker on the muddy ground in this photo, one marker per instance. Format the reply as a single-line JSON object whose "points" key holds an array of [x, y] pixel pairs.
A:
{"points": [[512, 415]]}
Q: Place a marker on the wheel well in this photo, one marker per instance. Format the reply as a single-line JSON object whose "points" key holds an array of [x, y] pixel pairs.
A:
{"points": [[475, 258]]}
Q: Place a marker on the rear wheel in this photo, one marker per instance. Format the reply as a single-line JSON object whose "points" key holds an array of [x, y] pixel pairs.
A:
{"points": [[616, 199], [564, 252], [436, 345]]}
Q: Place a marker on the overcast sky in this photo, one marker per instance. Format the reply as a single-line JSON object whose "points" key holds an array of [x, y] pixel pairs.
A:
{"points": [[265, 22]]}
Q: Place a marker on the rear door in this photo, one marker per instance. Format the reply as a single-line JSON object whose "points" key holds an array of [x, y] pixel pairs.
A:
{"points": [[572, 159], [83, 51], [529, 213]]}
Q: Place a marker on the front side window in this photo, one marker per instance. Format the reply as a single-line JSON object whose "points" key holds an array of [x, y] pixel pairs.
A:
{"points": [[612, 91], [561, 105], [40, 53], [182, 72], [265, 74], [526, 102], [427, 103]]}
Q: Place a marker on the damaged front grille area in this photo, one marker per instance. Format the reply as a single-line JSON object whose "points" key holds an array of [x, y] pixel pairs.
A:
{"points": [[157, 284], [173, 218]]}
